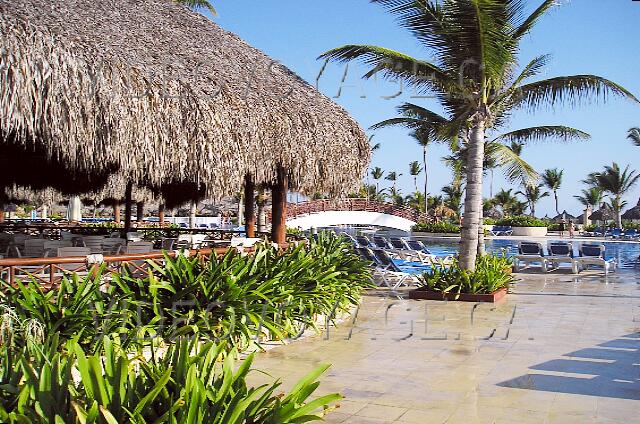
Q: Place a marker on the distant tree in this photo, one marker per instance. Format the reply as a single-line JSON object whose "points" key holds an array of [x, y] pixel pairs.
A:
{"points": [[393, 177], [453, 196], [414, 170], [634, 136], [198, 4], [533, 194], [616, 183], [591, 196], [377, 173], [552, 179]]}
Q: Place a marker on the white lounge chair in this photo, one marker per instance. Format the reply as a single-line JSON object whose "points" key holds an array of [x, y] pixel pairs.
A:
{"points": [[593, 254], [562, 252], [530, 253]]}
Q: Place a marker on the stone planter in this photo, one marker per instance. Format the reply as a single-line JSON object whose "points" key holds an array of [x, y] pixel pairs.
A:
{"points": [[530, 231], [421, 294]]}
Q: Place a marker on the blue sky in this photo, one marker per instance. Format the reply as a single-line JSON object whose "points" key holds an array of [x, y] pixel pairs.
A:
{"points": [[583, 36]]}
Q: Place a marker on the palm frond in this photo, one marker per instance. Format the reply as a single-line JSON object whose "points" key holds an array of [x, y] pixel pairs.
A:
{"points": [[570, 88], [634, 136], [541, 133], [198, 4], [515, 168], [532, 19]]}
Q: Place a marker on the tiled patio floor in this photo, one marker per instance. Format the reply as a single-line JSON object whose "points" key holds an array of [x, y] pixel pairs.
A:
{"points": [[560, 349]]}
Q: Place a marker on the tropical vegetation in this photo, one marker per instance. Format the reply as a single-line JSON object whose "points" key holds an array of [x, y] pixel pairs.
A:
{"points": [[476, 77]]}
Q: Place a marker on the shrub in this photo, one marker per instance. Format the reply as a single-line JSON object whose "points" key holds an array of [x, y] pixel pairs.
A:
{"points": [[437, 227], [189, 382], [522, 221], [492, 273]]}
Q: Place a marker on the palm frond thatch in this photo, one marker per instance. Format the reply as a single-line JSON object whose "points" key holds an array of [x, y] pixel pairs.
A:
{"points": [[167, 97]]}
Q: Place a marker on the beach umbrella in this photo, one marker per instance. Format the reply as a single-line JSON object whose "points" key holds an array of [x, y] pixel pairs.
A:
{"points": [[605, 213], [163, 97], [633, 213], [564, 216]]}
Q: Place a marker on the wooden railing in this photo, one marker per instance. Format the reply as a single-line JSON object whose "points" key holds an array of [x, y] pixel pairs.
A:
{"points": [[316, 206], [50, 271]]}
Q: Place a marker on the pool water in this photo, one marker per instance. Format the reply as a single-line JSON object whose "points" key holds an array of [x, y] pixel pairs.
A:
{"points": [[626, 254]]}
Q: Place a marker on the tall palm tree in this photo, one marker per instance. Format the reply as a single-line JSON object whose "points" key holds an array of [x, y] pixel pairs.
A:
{"points": [[533, 193], [414, 170], [552, 179], [474, 75], [198, 4], [377, 173], [422, 137], [591, 197], [393, 177], [617, 183], [634, 136]]}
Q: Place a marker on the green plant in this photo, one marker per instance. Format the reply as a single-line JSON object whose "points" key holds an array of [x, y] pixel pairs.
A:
{"points": [[190, 382], [522, 221], [437, 227], [492, 273]]}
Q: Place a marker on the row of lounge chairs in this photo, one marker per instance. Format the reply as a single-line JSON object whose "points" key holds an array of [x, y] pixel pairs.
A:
{"points": [[412, 251], [562, 253], [501, 230], [614, 233]]}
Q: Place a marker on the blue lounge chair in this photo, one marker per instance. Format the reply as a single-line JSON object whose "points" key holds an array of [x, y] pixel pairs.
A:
{"points": [[593, 254], [562, 252], [501, 230], [385, 269], [381, 242], [616, 233], [364, 241], [530, 253], [631, 234]]}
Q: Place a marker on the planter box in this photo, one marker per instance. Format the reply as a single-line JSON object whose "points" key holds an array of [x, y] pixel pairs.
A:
{"points": [[530, 231], [494, 297]]}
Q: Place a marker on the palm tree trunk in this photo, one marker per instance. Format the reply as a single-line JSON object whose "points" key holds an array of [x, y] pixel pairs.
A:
{"points": [[426, 179], [618, 211], [473, 199], [555, 194], [491, 185]]}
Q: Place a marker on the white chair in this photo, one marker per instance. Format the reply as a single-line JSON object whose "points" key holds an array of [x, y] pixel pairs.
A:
{"points": [[562, 252], [139, 247], [530, 253], [593, 254], [94, 243], [33, 248], [184, 241], [74, 251], [133, 237], [197, 239], [51, 246], [113, 246], [244, 241]]}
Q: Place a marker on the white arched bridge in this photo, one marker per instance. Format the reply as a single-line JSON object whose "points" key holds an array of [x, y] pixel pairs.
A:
{"points": [[327, 213]]}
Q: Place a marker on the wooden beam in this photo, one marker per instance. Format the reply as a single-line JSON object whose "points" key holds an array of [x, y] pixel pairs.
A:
{"points": [[140, 212], [249, 206], [161, 214], [279, 205], [116, 212], [127, 208]]}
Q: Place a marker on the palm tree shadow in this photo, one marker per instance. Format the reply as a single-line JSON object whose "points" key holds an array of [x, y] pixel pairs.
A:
{"points": [[611, 369]]}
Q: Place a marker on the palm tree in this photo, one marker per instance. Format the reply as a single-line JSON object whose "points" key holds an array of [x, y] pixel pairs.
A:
{"points": [[198, 4], [453, 193], [422, 137], [508, 203], [616, 183], [533, 193], [377, 173], [414, 170], [474, 45], [393, 177], [552, 179], [591, 197], [634, 136]]}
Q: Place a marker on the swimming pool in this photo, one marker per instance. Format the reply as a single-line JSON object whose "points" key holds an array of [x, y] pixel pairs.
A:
{"points": [[626, 254]]}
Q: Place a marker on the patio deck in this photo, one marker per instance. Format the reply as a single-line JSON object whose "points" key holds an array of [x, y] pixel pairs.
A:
{"points": [[560, 349]]}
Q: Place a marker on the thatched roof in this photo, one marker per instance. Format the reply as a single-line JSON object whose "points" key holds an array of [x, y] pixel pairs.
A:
{"points": [[633, 213], [605, 213], [564, 216], [167, 96]]}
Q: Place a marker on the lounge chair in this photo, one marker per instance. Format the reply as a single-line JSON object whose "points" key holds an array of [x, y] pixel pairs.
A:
{"points": [[388, 273], [381, 242], [392, 270], [364, 241], [631, 234], [530, 253], [562, 252], [501, 230], [616, 233], [593, 254]]}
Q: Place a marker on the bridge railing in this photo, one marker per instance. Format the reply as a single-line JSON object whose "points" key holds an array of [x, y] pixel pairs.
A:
{"points": [[363, 205]]}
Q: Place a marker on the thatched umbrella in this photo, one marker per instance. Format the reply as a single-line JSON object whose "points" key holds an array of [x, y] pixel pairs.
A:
{"points": [[564, 216], [168, 97], [633, 213], [605, 213]]}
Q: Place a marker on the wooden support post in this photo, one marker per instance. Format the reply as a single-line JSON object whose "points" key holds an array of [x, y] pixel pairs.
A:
{"points": [[2, 213], [249, 206], [140, 212], [279, 205], [161, 214], [127, 208], [116, 212]]}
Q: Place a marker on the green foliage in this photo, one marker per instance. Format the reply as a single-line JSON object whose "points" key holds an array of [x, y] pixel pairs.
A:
{"points": [[522, 221], [492, 273], [239, 298], [189, 382], [437, 227]]}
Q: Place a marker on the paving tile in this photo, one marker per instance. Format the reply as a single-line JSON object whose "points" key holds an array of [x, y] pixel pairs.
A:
{"points": [[381, 412]]}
